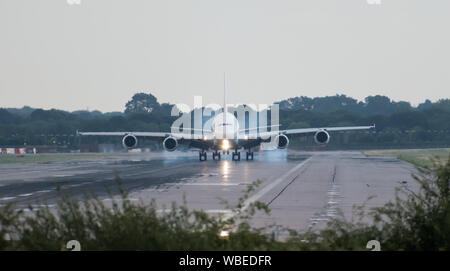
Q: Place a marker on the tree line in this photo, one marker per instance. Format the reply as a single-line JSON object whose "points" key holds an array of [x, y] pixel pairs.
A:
{"points": [[397, 123]]}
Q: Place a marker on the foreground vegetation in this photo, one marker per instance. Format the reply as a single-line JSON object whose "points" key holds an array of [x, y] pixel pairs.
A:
{"points": [[417, 157], [416, 220]]}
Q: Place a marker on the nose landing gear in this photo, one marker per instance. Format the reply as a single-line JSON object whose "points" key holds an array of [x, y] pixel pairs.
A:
{"points": [[216, 155], [202, 156]]}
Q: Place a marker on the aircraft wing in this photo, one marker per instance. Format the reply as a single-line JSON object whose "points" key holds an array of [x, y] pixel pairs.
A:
{"points": [[304, 131], [144, 134], [329, 129]]}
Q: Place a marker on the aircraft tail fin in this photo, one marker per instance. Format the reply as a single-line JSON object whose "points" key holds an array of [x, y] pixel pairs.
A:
{"points": [[225, 107]]}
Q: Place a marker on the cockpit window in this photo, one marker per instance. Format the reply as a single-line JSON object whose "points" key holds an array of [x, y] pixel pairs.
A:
{"points": [[226, 124]]}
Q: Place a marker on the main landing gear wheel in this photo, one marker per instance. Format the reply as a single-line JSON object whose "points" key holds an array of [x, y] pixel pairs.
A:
{"points": [[249, 155], [236, 156], [202, 156], [216, 155]]}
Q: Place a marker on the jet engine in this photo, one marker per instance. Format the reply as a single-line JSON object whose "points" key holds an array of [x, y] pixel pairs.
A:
{"points": [[170, 143], [129, 141], [282, 141], [322, 137]]}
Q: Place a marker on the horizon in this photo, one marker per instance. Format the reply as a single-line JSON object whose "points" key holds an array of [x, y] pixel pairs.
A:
{"points": [[230, 104]]}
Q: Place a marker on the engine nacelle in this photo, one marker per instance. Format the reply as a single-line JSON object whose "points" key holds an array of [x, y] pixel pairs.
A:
{"points": [[170, 143], [322, 137], [282, 141], [129, 141]]}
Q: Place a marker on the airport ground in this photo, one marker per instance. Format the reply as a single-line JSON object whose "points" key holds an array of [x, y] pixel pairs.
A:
{"points": [[418, 157], [303, 189]]}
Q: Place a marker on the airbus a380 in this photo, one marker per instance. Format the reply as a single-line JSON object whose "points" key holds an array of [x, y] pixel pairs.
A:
{"points": [[224, 136]]}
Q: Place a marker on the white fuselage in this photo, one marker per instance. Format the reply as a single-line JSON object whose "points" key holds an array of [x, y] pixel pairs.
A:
{"points": [[225, 126]]}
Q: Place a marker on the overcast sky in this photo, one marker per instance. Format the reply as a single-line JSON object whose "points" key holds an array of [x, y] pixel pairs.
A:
{"points": [[97, 54]]}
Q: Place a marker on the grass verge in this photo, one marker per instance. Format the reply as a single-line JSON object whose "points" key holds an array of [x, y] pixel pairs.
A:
{"points": [[417, 157], [55, 157]]}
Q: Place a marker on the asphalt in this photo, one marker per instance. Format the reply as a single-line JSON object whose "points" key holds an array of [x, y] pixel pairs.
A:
{"points": [[303, 189]]}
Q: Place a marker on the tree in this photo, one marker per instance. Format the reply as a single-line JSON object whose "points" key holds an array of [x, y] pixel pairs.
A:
{"points": [[142, 103], [378, 105], [6, 117], [425, 105]]}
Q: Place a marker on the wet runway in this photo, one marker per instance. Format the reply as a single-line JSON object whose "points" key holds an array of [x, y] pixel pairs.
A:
{"points": [[303, 190]]}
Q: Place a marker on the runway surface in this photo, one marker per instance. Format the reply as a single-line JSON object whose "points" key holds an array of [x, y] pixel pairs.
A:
{"points": [[303, 189]]}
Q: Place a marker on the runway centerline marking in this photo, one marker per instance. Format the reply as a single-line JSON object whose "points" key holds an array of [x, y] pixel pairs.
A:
{"points": [[217, 211], [268, 187], [7, 198], [25, 195], [204, 184]]}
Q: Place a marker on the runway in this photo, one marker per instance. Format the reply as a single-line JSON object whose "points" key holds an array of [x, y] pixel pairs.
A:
{"points": [[302, 189]]}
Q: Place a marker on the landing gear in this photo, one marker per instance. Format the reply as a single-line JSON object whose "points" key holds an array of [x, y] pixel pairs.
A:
{"points": [[249, 155], [216, 155], [236, 156], [202, 155]]}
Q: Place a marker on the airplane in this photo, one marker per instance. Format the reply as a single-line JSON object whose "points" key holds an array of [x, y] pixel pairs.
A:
{"points": [[225, 135]]}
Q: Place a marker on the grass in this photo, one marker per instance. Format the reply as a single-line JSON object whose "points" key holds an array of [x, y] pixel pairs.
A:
{"points": [[417, 157], [54, 157]]}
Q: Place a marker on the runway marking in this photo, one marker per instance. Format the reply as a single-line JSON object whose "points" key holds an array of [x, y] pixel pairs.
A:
{"points": [[119, 200], [43, 205], [7, 198], [332, 207], [76, 185], [43, 191], [267, 188], [282, 190], [334, 174], [205, 184], [25, 195], [318, 219], [217, 211]]}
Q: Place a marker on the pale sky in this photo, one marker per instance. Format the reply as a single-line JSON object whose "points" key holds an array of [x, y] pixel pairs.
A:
{"points": [[97, 54]]}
